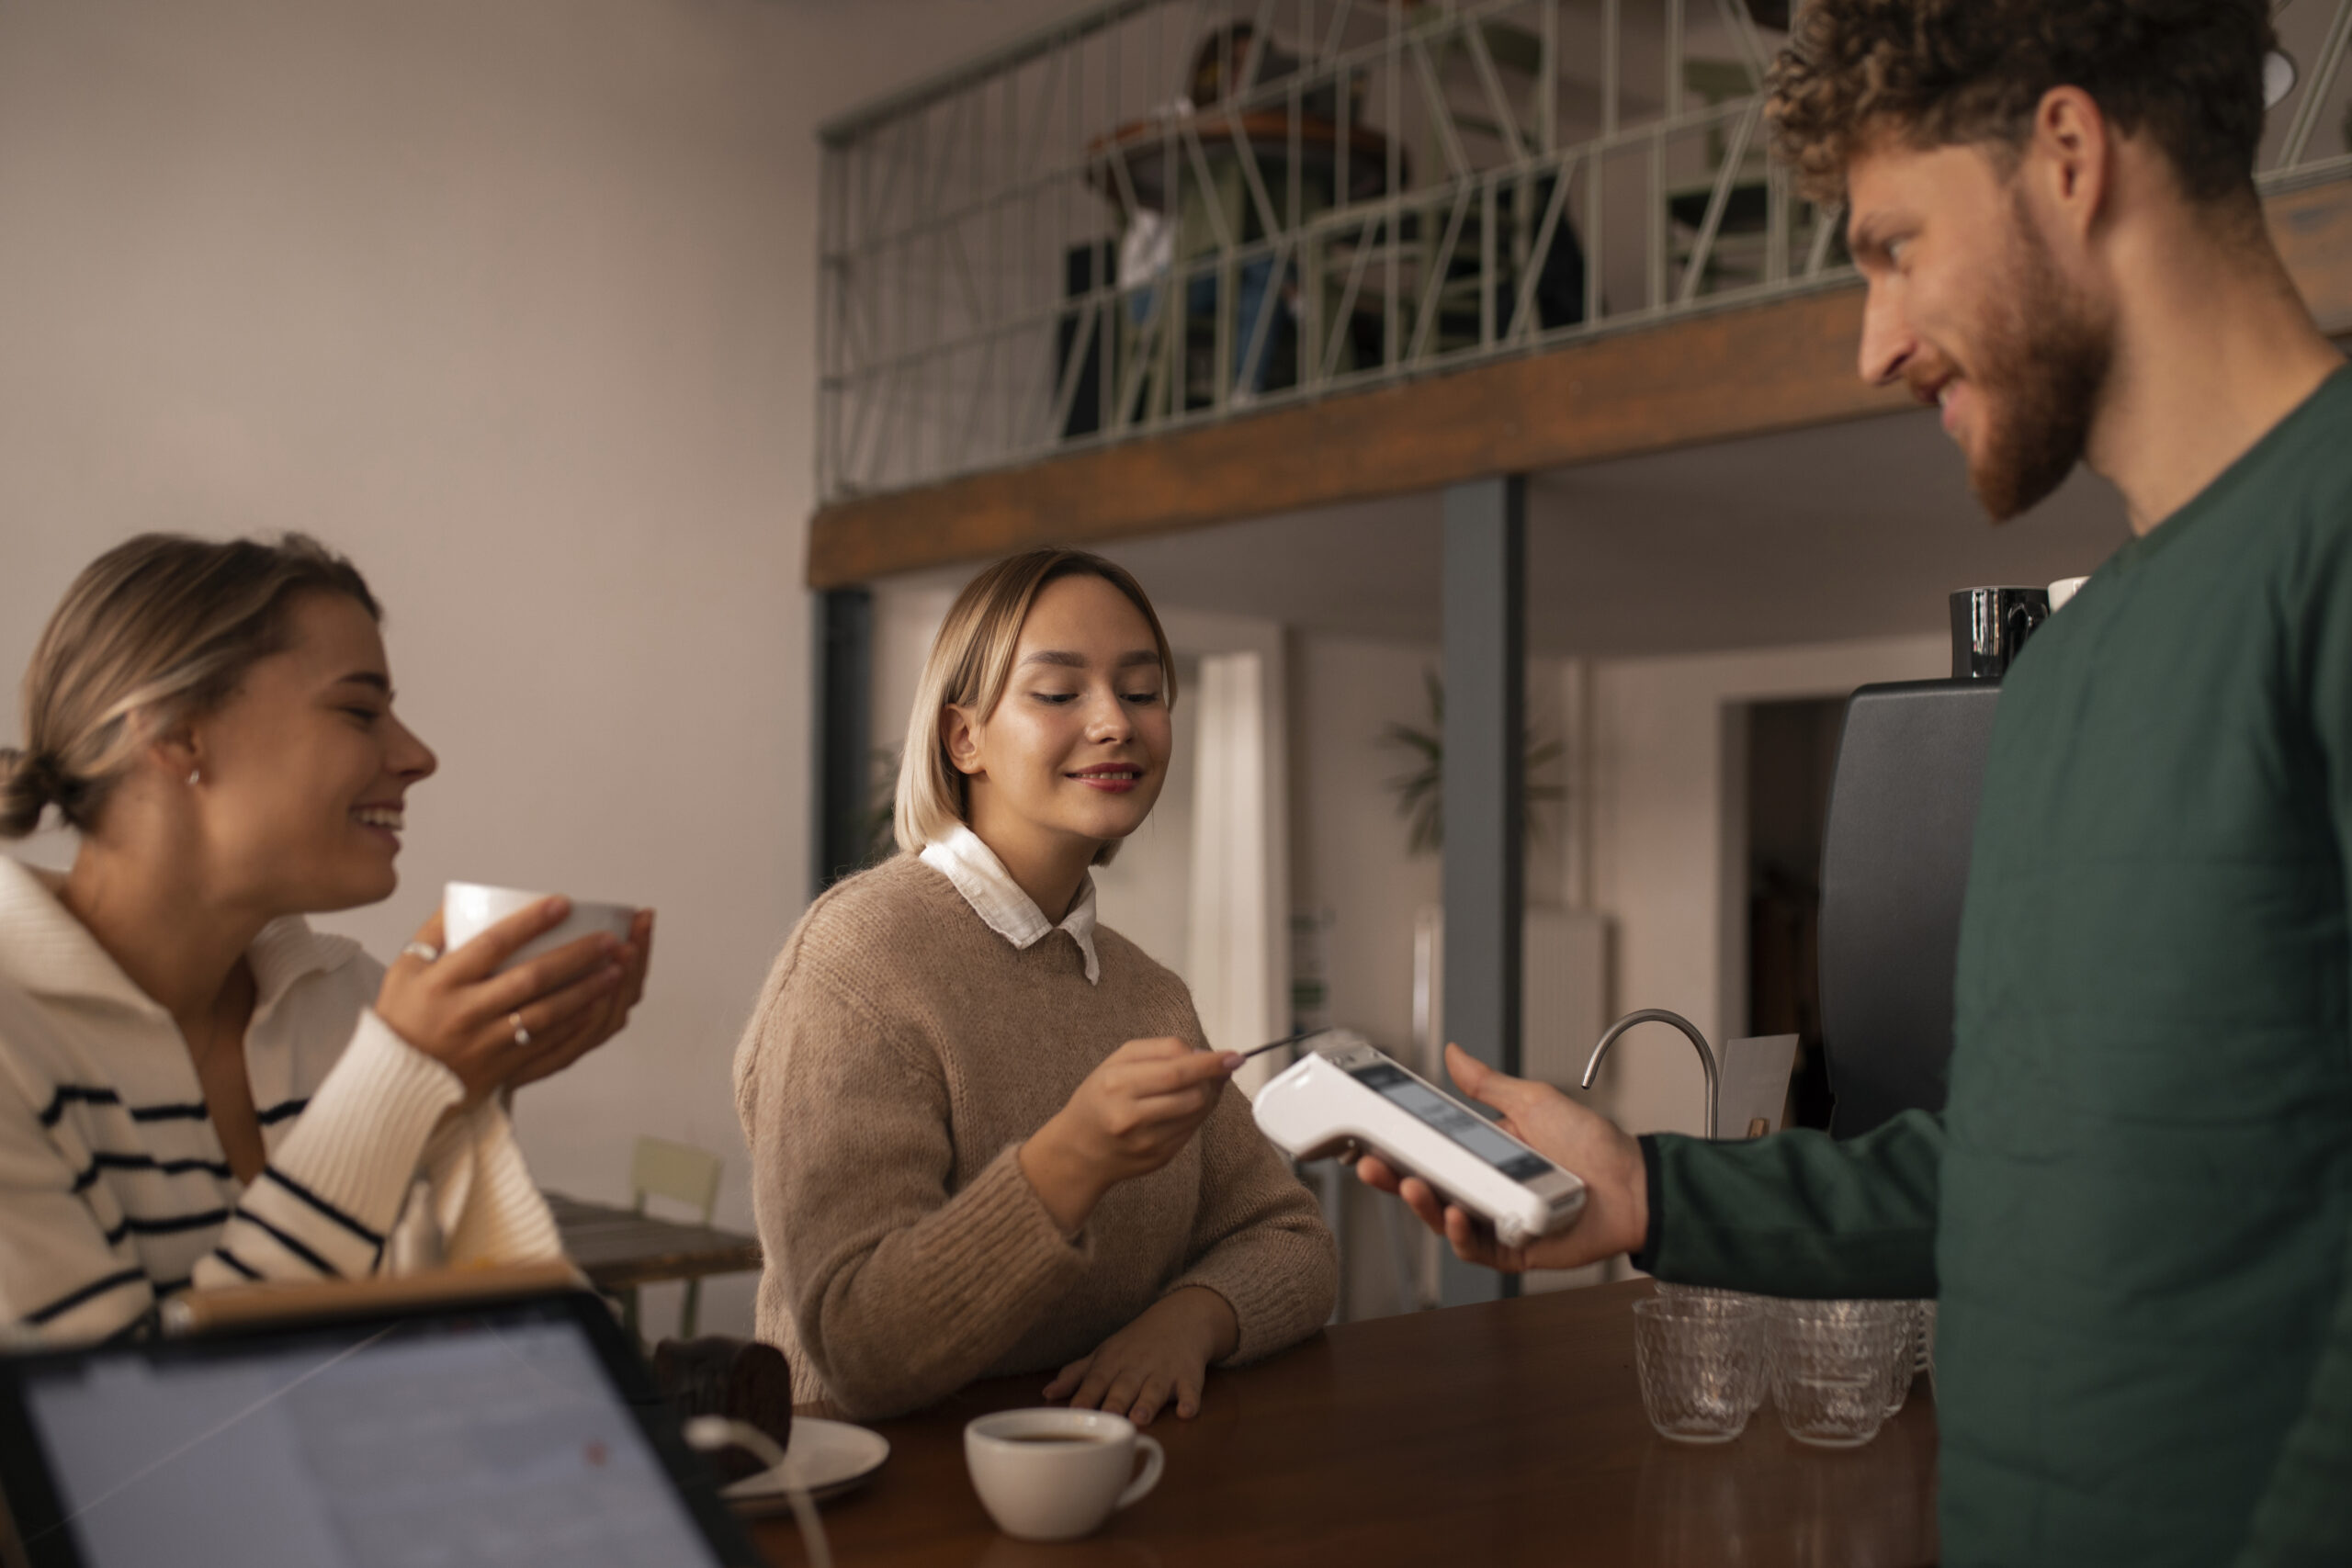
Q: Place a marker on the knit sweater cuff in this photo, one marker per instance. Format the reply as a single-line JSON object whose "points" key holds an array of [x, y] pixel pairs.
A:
{"points": [[359, 1142], [1005, 1254], [938, 1304], [489, 1209], [1271, 1314]]}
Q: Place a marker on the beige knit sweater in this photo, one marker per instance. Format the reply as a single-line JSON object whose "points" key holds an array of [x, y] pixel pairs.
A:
{"points": [[901, 1054]]}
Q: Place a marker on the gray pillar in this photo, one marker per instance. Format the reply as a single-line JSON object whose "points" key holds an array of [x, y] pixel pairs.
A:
{"points": [[842, 649], [1486, 785]]}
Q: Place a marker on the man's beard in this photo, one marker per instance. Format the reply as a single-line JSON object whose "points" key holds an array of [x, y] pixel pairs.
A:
{"points": [[2044, 364]]}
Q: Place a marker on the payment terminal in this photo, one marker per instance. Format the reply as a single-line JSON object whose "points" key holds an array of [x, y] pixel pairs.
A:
{"points": [[1347, 1092]]}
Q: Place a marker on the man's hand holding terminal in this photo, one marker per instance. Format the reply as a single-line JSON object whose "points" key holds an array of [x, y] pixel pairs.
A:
{"points": [[1616, 1210]]}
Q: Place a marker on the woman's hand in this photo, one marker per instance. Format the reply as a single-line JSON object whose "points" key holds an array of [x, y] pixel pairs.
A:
{"points": [[606, 1016], [1132, 1115], [1616, 1210], [459, 1012], [1163, 1355]]}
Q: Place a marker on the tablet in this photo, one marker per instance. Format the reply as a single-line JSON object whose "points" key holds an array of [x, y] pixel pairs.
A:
{"points": [[523, 1432]]}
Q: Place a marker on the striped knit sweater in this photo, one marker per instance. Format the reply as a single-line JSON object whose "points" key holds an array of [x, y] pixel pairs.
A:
{"points": [[115, 1192]]}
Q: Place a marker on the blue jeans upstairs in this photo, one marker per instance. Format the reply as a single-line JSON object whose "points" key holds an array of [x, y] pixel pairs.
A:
{"points": [[1250, 298]]}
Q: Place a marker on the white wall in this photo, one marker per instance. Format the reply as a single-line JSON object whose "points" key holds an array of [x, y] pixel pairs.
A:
{"points": [[1348, 853], [515, 304]]}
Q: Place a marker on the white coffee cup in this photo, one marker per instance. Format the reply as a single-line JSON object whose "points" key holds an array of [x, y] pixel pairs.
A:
{"points": [[468, 908], [1055, 1474]]}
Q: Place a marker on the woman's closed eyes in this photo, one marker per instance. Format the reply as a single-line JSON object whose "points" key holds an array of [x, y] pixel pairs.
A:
{"points": [[1140, 699]]}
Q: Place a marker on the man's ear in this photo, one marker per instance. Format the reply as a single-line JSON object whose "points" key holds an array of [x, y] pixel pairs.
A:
{"points": [[2068, 160], [959, 731]]}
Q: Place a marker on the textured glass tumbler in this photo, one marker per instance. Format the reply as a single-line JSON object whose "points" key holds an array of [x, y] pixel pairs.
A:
{"points": [[1927, 1347], [1901, 1353], [1701, 1361], [1830, 1377], [1764, 1346], [1905, 1364]]}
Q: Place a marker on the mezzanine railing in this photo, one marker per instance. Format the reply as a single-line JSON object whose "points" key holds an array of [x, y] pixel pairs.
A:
{"points": [[1159, 212]]}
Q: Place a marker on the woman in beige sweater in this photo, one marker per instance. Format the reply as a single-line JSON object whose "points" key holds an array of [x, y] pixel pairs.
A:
{"points": [[986, 1134]]}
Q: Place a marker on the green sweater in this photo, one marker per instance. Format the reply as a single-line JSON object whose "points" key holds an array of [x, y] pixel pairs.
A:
{"points": [[2138, 1202]]}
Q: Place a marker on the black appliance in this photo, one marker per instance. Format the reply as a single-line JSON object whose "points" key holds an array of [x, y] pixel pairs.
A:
{"points": [[1895, 863]]}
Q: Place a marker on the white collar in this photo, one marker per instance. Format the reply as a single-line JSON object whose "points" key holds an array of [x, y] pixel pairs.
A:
{"points": [[964, 860], [46, 952]]}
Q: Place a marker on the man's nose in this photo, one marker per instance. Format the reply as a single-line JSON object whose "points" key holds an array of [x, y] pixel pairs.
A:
{"points": [[1888, 341]]}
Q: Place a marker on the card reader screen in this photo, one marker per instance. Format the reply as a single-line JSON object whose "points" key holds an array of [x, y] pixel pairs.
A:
{"points": [[1465, 1127]]}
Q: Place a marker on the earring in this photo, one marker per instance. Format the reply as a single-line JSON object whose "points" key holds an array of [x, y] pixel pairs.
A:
{"points": [[195, 777]]}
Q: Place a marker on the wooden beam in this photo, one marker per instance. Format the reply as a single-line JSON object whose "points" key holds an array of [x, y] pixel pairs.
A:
{"points": [[1783, 366]]}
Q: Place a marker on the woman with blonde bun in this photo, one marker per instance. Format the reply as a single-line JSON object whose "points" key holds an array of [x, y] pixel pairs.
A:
{"points": [[196, 1090], [986, 1134]]}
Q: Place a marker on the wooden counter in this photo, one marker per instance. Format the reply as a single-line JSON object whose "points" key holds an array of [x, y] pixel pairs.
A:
{"points": [[1487, 1435]]}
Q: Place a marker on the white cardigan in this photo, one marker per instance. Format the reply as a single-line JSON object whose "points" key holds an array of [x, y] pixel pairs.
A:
{"points": [[115, 1192]]}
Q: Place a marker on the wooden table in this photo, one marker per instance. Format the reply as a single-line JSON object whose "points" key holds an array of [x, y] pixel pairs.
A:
{"points": [[1482, 1435], [619, 1248]]}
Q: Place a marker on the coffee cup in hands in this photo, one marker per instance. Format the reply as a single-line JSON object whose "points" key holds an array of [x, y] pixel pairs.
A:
{"points": [[1055, 1474], [468, 908]]}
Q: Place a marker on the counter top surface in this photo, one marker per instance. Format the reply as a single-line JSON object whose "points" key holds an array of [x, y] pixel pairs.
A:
{"points": [[1505, 1433]]}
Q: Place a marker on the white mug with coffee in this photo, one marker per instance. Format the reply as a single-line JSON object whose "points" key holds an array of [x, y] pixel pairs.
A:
{"points": [[1055, 1474], [468, 908]]}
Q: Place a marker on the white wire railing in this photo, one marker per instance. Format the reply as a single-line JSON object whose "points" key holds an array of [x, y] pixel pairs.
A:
{"points": [[1164, 213]]}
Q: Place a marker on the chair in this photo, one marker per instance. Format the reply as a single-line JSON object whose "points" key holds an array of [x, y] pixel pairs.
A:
{"points": [[681, 1174]]}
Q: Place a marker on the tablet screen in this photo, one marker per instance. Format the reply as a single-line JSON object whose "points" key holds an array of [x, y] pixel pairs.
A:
{"points": [[456, 1439]]}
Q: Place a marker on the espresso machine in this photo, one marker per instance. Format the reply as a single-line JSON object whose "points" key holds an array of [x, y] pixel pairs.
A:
{"points": [[1894, 862]]}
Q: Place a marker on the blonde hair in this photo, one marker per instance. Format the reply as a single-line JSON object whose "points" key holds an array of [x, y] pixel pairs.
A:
{"points": [[156, 631], [971, 663]]}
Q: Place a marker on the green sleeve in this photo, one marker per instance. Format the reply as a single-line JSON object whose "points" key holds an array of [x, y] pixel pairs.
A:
{"points": [[1799, 1214], [2303, 1517]]}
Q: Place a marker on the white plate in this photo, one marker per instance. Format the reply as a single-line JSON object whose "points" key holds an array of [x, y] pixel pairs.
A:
{"points": [[825, 1457]]}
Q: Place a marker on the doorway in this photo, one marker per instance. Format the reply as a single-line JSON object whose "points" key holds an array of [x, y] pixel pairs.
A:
{"points": [[1791, 756]]}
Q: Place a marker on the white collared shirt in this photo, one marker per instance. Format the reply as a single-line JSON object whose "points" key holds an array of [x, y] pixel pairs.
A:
{"points": [[964, 860]]}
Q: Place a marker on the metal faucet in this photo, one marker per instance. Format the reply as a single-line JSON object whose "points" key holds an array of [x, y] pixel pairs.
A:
{"points": [[1659, 1015]]}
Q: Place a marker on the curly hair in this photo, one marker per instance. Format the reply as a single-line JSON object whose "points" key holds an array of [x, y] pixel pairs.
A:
{"points": [[1933, 74]]}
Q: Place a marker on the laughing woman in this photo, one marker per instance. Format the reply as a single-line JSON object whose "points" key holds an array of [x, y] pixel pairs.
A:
{"points": [[194, 1088], [986, 1134]]}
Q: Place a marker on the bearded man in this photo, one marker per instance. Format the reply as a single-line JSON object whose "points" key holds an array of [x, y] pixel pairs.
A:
{"points": [[2136, 1208]]}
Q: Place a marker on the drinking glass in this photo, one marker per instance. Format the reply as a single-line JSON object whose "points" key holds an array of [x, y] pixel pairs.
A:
{"points": [[1927, 1346], [1904, 1365], [1701, 1362], [1831, 1378], [1763, 1387], [1903, 1351]]}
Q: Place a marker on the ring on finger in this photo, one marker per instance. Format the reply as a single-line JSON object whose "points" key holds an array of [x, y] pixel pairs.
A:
{"points": [[423, 950], [522, 1035]]}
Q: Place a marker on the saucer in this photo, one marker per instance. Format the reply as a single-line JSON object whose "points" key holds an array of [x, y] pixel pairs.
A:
{"points": [[826, 1459]]}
